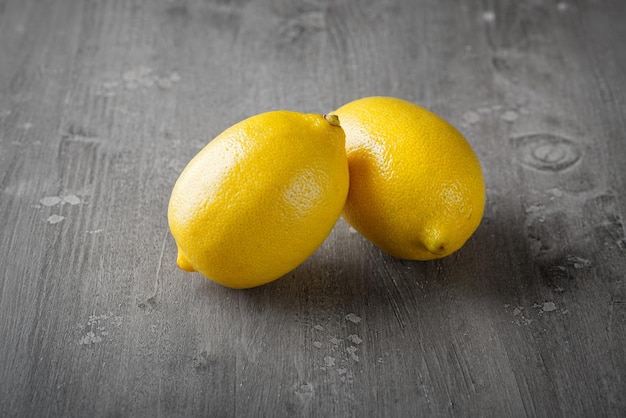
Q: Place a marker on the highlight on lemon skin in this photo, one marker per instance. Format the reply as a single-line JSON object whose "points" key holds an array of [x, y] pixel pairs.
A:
{"points": [[416, 185], [260, 198]]}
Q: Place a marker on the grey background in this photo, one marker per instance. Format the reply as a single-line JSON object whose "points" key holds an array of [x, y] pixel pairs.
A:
{"points": [[102, 104]]}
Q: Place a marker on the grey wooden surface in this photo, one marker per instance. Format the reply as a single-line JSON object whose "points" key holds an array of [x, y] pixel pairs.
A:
{"points": [[102, 103]]}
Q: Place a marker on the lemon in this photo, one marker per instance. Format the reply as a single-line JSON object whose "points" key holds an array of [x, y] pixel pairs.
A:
{"points": [[416, 185], [260, 198]]}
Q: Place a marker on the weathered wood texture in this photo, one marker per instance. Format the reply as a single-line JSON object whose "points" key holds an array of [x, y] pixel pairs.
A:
{"points": [[102, 103]]}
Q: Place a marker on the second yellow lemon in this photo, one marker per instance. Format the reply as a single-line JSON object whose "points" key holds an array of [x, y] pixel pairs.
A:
{"points": [[260, 197], [416, 186]]}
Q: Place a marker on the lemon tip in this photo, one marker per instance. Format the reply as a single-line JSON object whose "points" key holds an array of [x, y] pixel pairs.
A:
{"points": [[437, 245], [184, 263]]}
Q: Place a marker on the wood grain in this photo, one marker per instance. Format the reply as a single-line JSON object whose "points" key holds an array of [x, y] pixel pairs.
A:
{"points": [[102, 103]]}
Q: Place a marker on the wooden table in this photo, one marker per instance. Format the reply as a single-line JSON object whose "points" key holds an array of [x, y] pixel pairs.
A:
{"points": [[102, 103]]}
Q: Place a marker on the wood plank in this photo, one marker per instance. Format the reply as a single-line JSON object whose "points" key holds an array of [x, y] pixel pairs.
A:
{"points": [[102, 104]]}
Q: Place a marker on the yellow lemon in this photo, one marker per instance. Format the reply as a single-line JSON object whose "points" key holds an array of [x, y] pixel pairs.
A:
{"points": [[416, 186], [260, 198]]}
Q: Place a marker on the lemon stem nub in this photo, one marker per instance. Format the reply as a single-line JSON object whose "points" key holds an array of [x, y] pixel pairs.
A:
{"points": [[332, 119]]}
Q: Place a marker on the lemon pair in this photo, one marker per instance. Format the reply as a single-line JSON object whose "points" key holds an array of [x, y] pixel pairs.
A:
{"points": [[263, 195]]}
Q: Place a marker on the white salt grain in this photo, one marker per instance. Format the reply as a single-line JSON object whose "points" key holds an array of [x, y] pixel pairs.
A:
{"points": [[578, 262], [329, 361], [54, 219], [535, 208], [509, 116], [353, 318], [555, 192], [352, 351], [50, 200], [71, 199], [548, 307], [90, 338], [355, 339], [489, 16], [471, 117]]}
